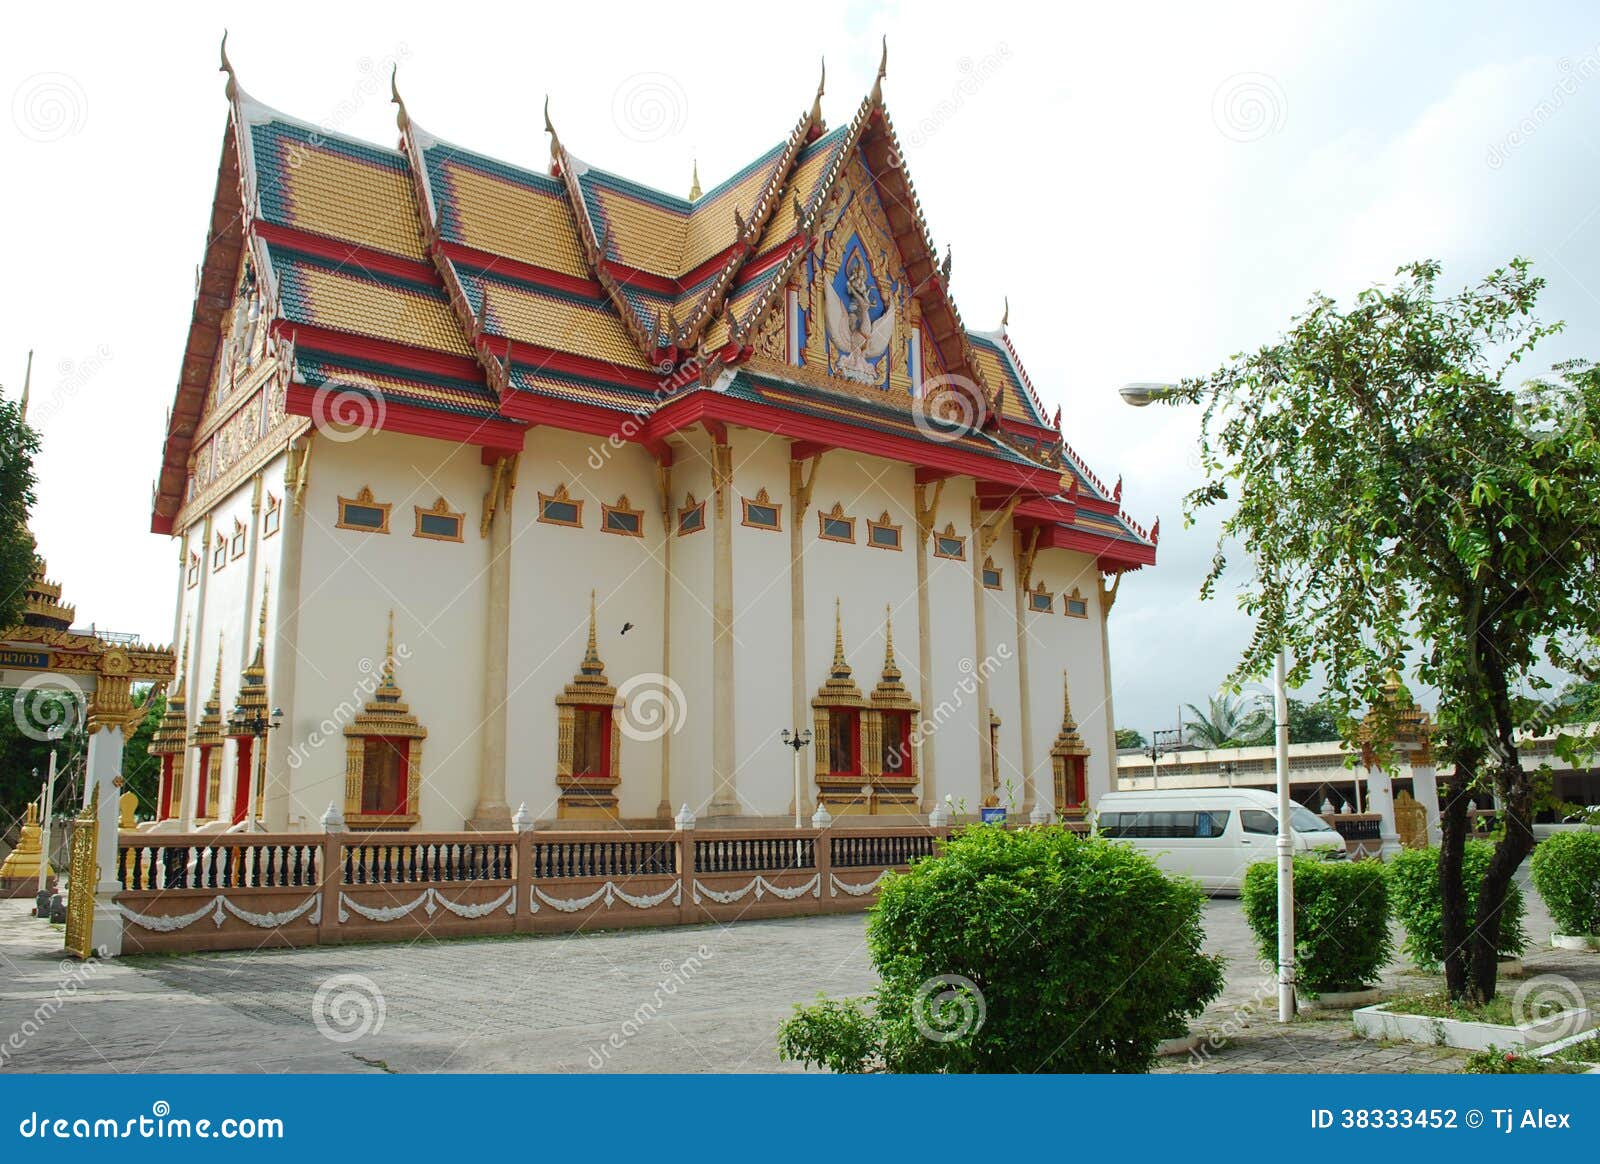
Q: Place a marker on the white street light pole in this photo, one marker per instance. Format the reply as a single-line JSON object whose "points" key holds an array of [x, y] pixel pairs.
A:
{"points": [[797, 740], [1139, 395], [44, 827]]}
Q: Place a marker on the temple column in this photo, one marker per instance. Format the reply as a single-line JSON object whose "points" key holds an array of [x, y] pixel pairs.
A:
{"points": [[1108, 597], [1380, 799], [987, 776], [927, 508], [492, 814], [669, 535], [285, 637], [725, 793], [196, 810], [802, 477], [110, 712], [1425, 788], [1024, 558]]}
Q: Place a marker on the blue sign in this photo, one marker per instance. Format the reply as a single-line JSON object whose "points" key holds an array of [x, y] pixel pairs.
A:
{"points": [[994, 816]]}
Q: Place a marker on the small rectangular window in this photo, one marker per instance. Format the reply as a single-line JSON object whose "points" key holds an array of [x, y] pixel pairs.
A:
{"points": [[1042, 601], [272, 520], [834, 526], [444, 527], [194, 570], [991, 578], [559, 508], [945, 546], [363, 512], [236, 544], [219, 555], [883, 536], [759, 515], [619, 519]]}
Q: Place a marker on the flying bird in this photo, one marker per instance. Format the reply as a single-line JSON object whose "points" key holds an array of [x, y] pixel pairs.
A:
{"points": [[626, 627]]}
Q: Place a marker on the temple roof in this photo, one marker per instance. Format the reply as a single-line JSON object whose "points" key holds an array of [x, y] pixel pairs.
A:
{"points": [[471, 297]]}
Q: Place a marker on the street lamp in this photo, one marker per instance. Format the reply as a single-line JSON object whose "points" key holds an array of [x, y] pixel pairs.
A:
{"points": [[1162, 741], [1140, 394], [797, 740], [255, 723], [1227, 770], [41, 901]]}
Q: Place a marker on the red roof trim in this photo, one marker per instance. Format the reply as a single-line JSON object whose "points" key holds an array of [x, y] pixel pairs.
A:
{"points": [[338, 251], [408, 418]]}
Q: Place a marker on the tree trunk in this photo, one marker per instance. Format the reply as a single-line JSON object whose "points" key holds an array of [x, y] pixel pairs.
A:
{"points": [[1515, 844], [1452, 893]]}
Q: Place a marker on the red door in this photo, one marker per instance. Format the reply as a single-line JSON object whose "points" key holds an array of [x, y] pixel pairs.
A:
{"points": [[165, 810], [241, 787]]}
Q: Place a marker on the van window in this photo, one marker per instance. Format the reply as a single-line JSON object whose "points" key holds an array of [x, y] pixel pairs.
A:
{"points": [[1305, 821], [1253, 820], [1163, 824]]}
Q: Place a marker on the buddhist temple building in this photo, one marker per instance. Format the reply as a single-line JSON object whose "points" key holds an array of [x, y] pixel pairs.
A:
{"points": [[596, 489]]}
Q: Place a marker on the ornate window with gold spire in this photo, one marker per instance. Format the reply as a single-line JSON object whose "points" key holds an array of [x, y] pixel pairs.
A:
{"points": [[207, 738], [169, 741], [383, 756], [836, 719], [590, 739], [890, 723], [1068, 757]]}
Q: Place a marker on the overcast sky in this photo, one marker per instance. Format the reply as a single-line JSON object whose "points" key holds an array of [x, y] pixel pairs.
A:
{"points": [[1153, 187]]}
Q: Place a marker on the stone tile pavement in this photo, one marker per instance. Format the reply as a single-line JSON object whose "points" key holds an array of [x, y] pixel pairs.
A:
{"points": [[691, 999]]}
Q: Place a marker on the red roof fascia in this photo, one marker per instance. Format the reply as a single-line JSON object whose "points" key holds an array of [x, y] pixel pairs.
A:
{"points": [[350, 254], [323, 339], [408, 418], [542, 359], [526, 272]]}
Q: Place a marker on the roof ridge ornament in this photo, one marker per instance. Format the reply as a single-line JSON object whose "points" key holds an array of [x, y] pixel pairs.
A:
{"points": [[555, 138], [227, 67], [883, 71], [816, 104], [1005, 316], [694, 185], [402, 119]]}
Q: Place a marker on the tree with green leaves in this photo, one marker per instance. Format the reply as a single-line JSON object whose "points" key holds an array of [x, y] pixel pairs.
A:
{"points": [[18, 446], [1129, 738], [1229, 721], [1410, 510]]}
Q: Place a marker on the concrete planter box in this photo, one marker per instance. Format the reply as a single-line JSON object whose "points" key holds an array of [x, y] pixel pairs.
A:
{"points": [[1374, 1022], [1339, 999], [1589, 942]]}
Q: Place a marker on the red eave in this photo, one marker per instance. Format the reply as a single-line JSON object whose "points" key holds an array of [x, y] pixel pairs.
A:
{"points": [[408, 418], [349, 254], [324, 339]]}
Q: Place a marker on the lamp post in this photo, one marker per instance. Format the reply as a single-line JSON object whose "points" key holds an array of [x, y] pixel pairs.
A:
{"points": [[1139, 395], [797, 740], [1162, 741], [41, 901], [255, 723], [1227, 770]]}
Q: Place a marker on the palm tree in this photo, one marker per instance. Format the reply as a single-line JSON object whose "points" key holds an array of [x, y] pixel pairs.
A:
{"points": [[1231, 721]]}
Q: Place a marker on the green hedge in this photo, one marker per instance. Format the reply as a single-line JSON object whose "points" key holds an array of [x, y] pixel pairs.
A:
{"points": [[1027, 950], [1566, 872], [1341, 921], [1414, 890]]}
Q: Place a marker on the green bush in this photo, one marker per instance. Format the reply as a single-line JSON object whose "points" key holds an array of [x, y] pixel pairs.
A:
{"points": [[1414, 892], [1566, 872], [1032, 950], [1341, 921]]}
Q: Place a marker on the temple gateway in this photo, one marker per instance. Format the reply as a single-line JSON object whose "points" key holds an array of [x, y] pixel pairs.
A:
{"points": [[505, 490]]}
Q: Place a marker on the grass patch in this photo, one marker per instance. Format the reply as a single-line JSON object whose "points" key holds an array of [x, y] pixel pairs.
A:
{"points": [[1498, 1011], [1586, 1052], [1497, 1062]]}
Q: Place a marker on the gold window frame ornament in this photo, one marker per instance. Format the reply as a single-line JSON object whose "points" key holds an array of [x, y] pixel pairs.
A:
{"points": [[385, 716], [272, 519], [440, 508], [561, 497], [835, 514], [885, 522], [839, 696], [999, 575], [691, 506], [236, 541], [219, 554], [366, 500], [949, 535], [584, 796], [624, 507], [1037, 593], [763, 499], [1076, 596], [1069, 756], [192, 579]]}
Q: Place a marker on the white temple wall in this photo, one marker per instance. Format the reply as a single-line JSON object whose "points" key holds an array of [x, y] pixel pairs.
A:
{"points": [[554, 568], [957, 739], [762, 605], [1058, 642], [351, 579]]}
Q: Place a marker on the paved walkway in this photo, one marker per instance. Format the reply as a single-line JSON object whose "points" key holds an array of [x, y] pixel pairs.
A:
{"points": [[704, 998]]}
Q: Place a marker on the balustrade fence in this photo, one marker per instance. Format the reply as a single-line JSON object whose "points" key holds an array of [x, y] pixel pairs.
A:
{"points": [[243, 891]]}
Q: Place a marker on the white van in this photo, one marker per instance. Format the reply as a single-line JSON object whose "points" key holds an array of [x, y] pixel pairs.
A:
{"points": [[1211, 835]]}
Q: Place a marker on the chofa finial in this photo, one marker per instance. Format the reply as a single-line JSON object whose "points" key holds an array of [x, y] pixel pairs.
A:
{"points": [[227, 67], [1005, 316], [401, 118], [883, 70]]}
